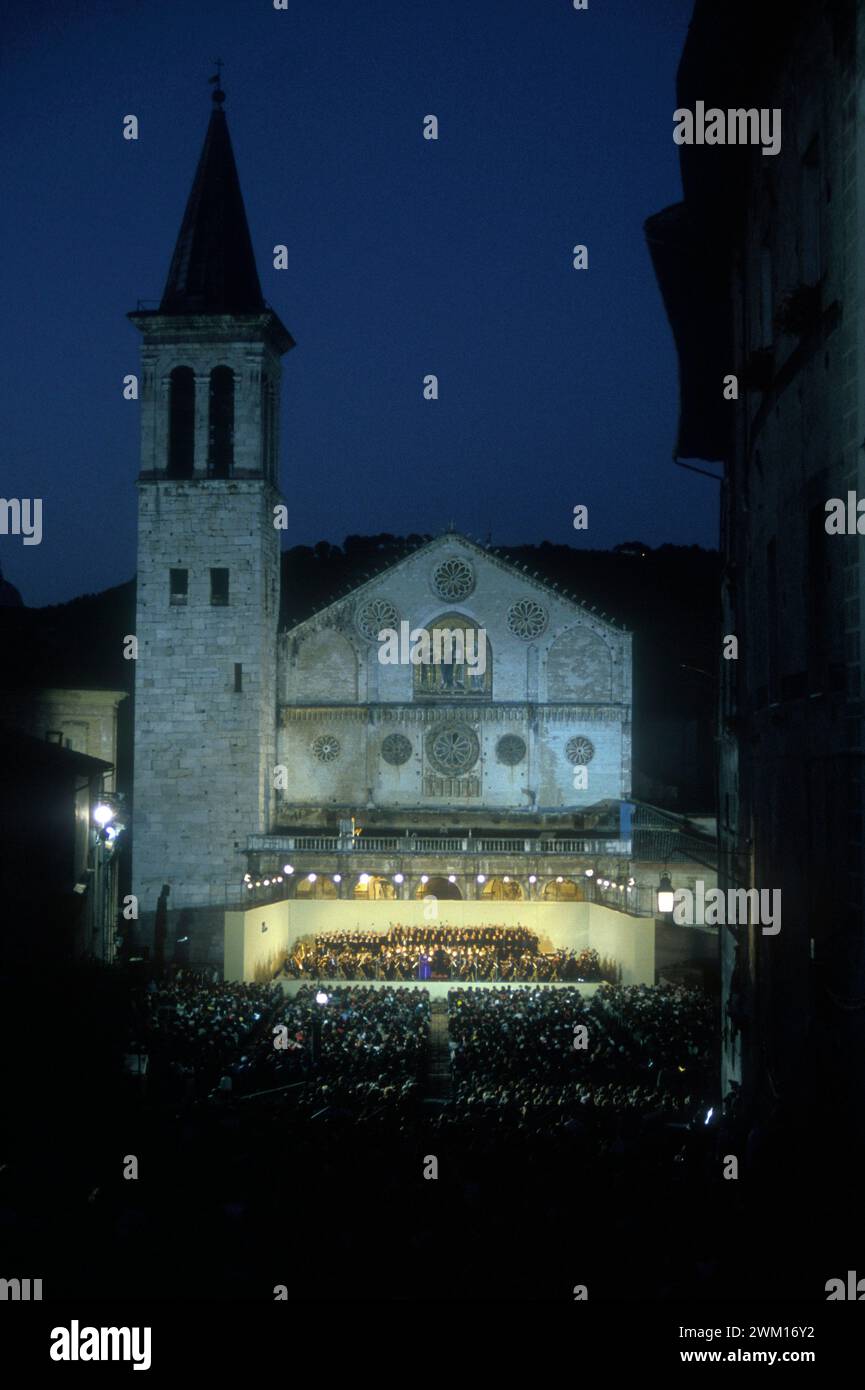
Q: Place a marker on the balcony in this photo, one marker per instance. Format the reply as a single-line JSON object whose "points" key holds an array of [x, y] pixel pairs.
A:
{"points": [[430, 844]]}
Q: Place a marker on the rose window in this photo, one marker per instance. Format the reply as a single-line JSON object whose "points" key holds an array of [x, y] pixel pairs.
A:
{"points": [[452, 748], [326, 748], [579, 750], [453, 578], [375, 614], [526, 619], [511, 750], [396, 749]]}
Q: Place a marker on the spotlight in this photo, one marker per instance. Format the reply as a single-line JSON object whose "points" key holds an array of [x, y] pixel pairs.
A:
{"points": [[364, 878], [590, 873], [321, 997], [288, 868], [452, 878], [398, 878], [267, 883], [310, 878], [102, 814], [560, 879], [424, 878], [533, 878], [506, 879], [482, 878], [337, 878]]}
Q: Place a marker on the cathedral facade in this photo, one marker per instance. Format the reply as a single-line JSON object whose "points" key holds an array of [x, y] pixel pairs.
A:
{"points": [[316, 761]]}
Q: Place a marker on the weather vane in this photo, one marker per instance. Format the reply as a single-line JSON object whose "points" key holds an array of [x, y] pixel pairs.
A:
{"points": [[218, 94]]}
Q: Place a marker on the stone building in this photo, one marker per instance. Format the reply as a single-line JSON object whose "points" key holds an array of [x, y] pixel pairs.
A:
{"points": [[255, 747], [761, 270]]}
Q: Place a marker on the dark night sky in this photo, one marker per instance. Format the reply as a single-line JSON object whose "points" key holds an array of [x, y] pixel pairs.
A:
{"points": [[406, 257]]}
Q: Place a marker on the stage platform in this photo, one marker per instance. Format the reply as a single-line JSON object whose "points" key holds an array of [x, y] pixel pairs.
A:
{"points": [[437, 989]]}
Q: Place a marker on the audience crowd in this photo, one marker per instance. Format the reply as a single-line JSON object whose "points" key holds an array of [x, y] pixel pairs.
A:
{"points": [[522, 1059], [521, 1054], [193, 1030]]}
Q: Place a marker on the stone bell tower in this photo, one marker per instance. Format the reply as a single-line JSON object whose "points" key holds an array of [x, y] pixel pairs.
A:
{"points": [[208, 561]]}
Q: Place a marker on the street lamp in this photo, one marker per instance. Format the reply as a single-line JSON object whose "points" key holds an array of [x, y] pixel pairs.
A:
{"points": [[665, 894]]}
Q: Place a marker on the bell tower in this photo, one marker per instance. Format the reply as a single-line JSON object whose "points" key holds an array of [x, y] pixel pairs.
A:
{"points": [[208, 559]]}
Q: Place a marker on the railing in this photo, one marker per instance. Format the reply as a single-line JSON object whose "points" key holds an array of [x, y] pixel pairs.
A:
{"points": [[432, 844], [436, 846], [278, 844]]}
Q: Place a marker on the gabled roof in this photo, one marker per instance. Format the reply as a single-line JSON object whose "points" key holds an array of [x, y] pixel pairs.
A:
{"points": [[213, 268], [490, 554]]}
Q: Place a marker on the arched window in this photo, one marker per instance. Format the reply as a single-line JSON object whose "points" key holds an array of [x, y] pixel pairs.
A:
{"points": [[566, 891], [181, 423], [454, 660], [374, 887], [220, 446], [502, 890]]}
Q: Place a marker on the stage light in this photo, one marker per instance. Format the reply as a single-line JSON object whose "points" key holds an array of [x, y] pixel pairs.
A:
{"points": [[337, 878], [452, 878], [506, 879], [482, 878], [267, 883], [321, 997], [533, 878], [258, 883], [364, 878], [279, 879], [102, 814], [560, 879], [590, 873], [424, 878], [398, 878], [310, 878], [288, 868]]}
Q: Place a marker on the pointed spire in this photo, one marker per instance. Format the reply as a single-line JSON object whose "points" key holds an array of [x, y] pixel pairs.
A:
{"points": [[213, 267]]}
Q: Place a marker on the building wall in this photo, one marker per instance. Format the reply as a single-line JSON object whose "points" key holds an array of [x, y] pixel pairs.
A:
{"points": [[85, 720], [791, 781], [771, 265], [203, 750], [572, 678]]}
